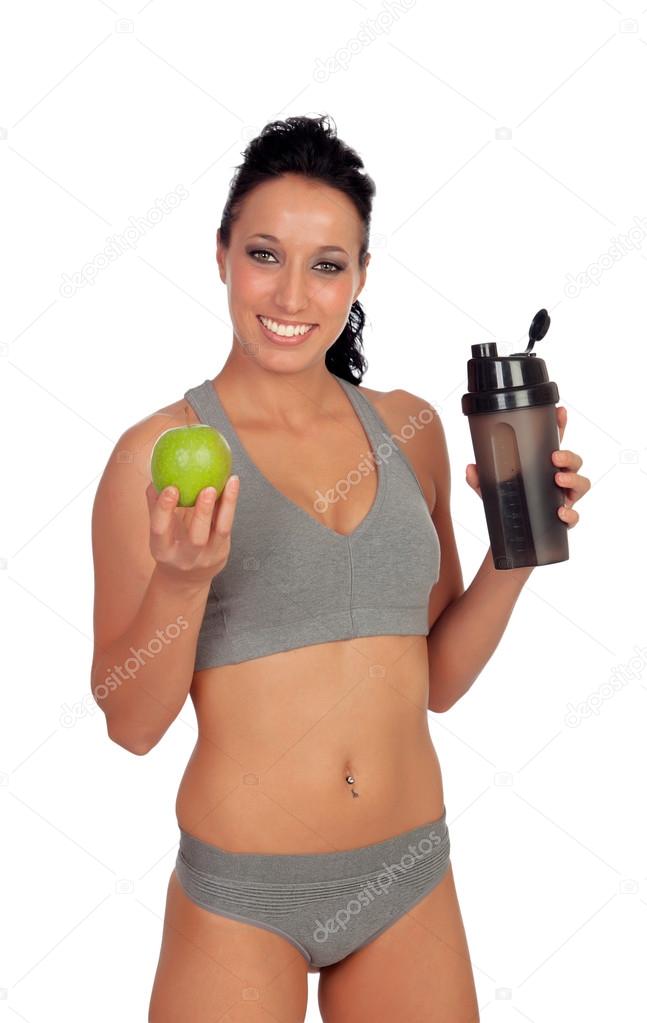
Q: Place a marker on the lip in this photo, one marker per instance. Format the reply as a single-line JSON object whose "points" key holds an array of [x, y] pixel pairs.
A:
{"points": [[286, 342]]}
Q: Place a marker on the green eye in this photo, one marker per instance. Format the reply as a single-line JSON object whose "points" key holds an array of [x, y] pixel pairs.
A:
{"points": [[266, 252]]}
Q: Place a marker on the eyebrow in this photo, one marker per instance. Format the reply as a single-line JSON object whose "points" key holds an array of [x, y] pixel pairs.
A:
{"points": [[322, 248]]}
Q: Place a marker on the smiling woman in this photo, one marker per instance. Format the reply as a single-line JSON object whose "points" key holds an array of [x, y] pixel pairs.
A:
{"points": [[308, 602]]}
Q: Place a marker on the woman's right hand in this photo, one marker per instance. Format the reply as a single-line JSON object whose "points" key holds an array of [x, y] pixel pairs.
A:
{"points": [[192, 544]]}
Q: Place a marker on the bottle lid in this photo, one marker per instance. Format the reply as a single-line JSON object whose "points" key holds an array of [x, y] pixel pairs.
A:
{"points": [[496, 383]]}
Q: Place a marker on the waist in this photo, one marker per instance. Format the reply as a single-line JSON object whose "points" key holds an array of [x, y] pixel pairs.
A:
{"points": [[296, 868], [279, 737], [312, 795]]}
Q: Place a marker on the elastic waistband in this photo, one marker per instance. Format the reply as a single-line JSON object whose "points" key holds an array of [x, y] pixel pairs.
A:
{"points": [[420, 842]]}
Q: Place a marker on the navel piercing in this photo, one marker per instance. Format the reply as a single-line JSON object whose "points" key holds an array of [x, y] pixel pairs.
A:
{"points": [[351, 781]]}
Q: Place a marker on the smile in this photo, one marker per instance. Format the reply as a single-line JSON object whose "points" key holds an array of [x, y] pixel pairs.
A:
{"points": [[286, 330]]}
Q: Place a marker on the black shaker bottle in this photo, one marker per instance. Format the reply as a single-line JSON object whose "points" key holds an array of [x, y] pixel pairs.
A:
{"points": [[510, 407]]}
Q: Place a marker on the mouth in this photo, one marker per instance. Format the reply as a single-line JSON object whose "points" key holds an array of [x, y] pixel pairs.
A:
{"points": [[286, 333]]}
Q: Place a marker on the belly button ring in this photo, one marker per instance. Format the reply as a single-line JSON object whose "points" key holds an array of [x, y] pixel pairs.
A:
{"points": [[351, 781]]}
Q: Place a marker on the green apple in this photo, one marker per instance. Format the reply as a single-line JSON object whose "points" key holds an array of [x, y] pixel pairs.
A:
{"points": [[190, 458]]}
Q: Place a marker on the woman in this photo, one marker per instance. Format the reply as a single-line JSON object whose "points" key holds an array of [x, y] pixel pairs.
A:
{"points": [[322, 614]]}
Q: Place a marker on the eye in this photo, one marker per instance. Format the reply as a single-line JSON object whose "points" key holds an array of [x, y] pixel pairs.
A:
{"points": [[335, 268], [258, 252], [255, 252]]}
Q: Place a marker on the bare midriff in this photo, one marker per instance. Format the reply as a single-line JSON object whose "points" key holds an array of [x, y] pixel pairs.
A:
{"points": [[322, 748]]}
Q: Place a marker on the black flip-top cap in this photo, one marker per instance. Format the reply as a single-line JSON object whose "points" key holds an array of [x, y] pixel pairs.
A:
{"points": [[499, 382]]}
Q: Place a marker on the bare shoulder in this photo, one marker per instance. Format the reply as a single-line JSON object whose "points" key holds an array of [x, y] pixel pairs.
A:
{"points": [[372, 395], [179, 411], [382, 402], [135, 444], [400, 404]]}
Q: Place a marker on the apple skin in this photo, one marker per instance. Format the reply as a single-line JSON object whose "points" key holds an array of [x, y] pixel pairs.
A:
{"points": [[190, 458]]}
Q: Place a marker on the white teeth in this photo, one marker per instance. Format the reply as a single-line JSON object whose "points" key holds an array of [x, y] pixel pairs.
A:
{"points": [[282, 330]]}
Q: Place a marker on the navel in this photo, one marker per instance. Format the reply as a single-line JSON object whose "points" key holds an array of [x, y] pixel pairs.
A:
{"points": [[350, 781]]}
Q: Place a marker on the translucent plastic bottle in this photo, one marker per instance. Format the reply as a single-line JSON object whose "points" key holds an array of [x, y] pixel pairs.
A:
{"points": [[510, 407]]}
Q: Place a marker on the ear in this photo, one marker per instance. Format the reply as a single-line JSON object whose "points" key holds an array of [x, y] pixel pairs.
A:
{"points": [[220, 258], [362, 278]]}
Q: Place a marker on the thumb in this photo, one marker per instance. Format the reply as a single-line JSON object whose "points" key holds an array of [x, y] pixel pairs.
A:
{"points": [[472, 478]]}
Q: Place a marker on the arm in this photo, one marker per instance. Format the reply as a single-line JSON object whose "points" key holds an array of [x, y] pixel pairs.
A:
{"points": [[142, 678], [468, 631], [146, 623], [465, 624]]}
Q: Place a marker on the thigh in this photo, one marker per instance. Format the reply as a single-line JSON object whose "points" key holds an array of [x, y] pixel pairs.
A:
{"points": [[214, 968], [417, 970]]}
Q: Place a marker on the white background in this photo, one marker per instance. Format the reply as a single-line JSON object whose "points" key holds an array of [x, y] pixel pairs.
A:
{"points": [[507, 144]]}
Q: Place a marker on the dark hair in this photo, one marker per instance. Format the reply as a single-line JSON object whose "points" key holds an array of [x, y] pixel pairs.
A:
{"points": [[309, 146]]}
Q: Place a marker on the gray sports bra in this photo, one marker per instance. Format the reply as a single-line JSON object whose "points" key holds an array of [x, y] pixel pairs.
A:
{"points": [[291, 582]]}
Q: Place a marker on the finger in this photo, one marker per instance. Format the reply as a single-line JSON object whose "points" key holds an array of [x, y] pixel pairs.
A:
{"points": [[151, 497], [561, 421], [224, 517], [567, 460], [161, 508], [569, 495], [200, 525], [578, 485], [568, 515]]}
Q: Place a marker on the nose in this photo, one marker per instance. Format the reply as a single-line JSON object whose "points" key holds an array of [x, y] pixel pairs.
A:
{"points": [[292, 290]]}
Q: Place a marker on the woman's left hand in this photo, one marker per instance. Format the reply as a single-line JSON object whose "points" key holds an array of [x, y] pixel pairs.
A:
{"points": [[567, 476]]}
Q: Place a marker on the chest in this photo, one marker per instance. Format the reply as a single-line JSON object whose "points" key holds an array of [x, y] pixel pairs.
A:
{"points": [[331, 471]]}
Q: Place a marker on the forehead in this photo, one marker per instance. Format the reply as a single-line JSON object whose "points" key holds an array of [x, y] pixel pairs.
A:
{"points": [[300, 210]]}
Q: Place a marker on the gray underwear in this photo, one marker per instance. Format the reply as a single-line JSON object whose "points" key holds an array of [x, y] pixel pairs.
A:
{"points": [[326, 905]]}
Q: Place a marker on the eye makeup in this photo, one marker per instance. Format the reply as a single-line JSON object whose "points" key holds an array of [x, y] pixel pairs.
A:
{"points": [[322, 262]]}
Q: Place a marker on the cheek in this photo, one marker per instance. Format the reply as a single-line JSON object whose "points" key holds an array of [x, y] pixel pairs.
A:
{"points": [[336, 297], [245, 281], [251, 287]]}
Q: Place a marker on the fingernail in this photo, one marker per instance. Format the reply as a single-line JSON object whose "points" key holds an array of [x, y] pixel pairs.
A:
{"points": [[209, 493], [169, 493]]}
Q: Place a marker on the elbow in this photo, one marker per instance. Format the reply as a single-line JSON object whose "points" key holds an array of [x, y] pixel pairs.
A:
{"points": [[439, 708], [123, 733], [137, 744], [437, 702], [138, 748]]}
